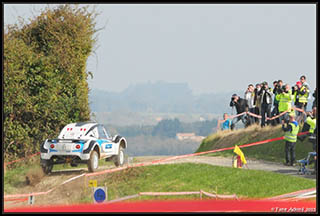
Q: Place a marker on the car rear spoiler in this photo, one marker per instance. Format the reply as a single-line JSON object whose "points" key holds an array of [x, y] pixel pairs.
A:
{"points": [[65, 140]]}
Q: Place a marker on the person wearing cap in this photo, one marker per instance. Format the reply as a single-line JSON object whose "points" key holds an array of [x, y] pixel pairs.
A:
{"points": [[301, 94], [266, 102], [241, 106], [285, 100], [277, 89], [291, 131]]}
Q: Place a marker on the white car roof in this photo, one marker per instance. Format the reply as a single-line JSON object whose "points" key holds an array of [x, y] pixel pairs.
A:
{"points": [[76, 130]]}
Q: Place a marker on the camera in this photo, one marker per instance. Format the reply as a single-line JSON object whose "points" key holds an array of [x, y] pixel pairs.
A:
{"points": [[283, 88]]}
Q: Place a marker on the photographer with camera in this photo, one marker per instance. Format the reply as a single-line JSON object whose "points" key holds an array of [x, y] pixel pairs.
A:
{"points": [[241, 106], [277, 85], [285, 100], [266, 101]]}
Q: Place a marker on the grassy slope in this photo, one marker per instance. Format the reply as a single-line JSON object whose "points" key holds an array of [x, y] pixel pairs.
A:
{"points": [[273, 151], [193, 177]]}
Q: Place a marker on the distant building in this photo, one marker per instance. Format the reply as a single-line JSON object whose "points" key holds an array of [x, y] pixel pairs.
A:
{"points": [[189, 136]]}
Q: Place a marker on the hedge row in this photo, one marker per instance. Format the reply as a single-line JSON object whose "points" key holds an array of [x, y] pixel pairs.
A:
{"points": [[45, 76]]}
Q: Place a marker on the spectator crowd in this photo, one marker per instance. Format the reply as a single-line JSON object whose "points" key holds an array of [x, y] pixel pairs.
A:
{"points": [[282, 104], [267, 105]]}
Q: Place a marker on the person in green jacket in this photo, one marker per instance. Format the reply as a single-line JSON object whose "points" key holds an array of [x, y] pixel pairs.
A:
{"points": [[291, 130], [285, 99]]}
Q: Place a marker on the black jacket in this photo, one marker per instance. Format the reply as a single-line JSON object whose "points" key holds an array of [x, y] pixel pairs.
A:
{"points": [[241, 105]]}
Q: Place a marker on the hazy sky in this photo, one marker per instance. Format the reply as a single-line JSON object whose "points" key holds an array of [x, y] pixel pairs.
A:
{"points": [[212, 47]]}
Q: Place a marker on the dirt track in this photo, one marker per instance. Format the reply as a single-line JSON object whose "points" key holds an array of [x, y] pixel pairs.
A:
{"points": [[57, 177]]}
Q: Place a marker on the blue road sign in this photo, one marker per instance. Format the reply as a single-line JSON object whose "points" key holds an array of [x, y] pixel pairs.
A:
{"points": [[99, 194]]}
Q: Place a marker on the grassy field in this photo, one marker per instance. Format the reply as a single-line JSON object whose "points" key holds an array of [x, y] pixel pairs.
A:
{"points": [[193, 177], [273, 151]]}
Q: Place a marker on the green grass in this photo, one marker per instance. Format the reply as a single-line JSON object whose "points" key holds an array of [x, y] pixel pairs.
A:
{"points": [[272, 151], [15, 175], [193, 177]]}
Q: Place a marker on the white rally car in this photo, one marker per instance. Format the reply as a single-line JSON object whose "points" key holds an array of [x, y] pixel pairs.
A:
{"points": [[83, 142]]}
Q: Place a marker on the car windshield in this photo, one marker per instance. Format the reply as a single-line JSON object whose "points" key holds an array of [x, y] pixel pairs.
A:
{"points": [[74, 131], [102, 132]]}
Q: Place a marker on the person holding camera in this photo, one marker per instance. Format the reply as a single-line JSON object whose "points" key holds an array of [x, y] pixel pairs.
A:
{"points": [[277, 86], [285, 99], [241, 106], [266, 101]]}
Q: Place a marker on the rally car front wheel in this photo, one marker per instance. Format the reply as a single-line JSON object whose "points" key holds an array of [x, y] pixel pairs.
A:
{"points": [[119, 159], [93, 162]]}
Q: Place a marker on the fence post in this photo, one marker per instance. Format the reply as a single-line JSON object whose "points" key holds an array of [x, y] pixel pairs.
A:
{"points": [[200, 194]]}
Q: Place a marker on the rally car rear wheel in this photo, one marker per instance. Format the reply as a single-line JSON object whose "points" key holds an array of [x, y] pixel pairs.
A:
{"points": [[46, 166], [93, 162]]}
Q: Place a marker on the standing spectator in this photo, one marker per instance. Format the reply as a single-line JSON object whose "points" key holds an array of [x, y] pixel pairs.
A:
{"points": [[285, 99], [257, 101], [266, 101], [310, 125], [226, 122], [315, 95], [291, 130], [241, 106], [275, 111], [249, 96], [301, 94], [303, 80]]}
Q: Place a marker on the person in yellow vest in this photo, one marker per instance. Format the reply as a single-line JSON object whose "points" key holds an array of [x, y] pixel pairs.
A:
{"points": [[285, 99], [301, 94], [310, 125], [291, 130]]}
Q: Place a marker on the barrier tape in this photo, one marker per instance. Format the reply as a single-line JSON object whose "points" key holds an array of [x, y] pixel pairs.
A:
{"points": [[21, 199], [168, 193], [21, 159], [233, 196], [311, 190], [124, 198], [151, 163], [174, 194], [259, 116]]}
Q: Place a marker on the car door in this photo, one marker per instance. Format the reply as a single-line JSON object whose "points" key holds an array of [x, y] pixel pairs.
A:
{"points": [[104, 141]]}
